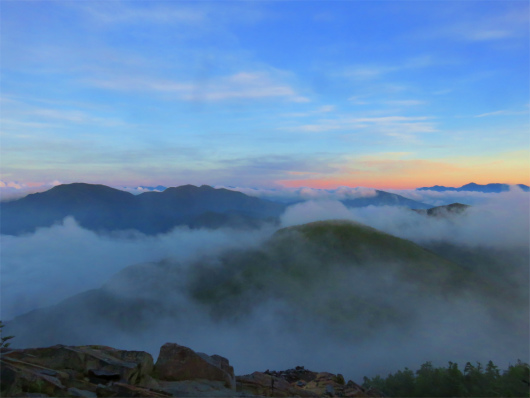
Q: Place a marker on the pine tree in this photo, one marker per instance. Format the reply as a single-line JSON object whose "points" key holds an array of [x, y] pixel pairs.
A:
{"points": [[3, 343]]}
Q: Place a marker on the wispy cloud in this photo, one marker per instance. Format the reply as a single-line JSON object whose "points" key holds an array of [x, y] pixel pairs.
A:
{"points": [[504, 112], [368, 72], [13, 123], [511, 24], [242, 85], [394, 126], [76, 116], [391, 119], [317, 128], [25, 113], [358, 100], [320, 110], [326, 108], [405, 102], [121, 12]]}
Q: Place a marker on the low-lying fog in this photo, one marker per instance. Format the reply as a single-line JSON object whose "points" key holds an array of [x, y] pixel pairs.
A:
{"points": [[43, 268]]}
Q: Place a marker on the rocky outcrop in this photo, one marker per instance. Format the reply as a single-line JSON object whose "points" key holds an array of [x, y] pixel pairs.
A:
{"points": [[302, 383], [266, 385], [294, 375], [97, 362], [100, 371], [72, 371], [330, 385]]}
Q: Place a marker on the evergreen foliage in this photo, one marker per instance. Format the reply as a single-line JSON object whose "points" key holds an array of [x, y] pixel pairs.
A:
{"points": [[3, 343], [450, 381]]}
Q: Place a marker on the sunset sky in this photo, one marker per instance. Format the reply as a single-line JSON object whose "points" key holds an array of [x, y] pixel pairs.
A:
{"points": [[384, 94]]}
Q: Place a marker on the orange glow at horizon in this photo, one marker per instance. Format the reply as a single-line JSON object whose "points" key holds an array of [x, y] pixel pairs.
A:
{"points": [[382, 184], [513, 168]]}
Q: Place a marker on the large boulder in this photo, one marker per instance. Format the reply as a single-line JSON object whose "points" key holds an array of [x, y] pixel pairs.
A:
{"points": [[177, 363]]}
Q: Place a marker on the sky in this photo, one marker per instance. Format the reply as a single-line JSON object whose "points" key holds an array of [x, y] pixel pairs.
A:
{"points": [[382, 94]]}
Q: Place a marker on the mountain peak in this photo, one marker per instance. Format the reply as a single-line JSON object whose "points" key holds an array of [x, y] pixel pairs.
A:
{"points": [[83, 188]]}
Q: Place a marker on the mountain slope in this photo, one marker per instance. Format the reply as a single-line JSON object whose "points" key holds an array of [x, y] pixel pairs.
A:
{"points": [[101, 208]]}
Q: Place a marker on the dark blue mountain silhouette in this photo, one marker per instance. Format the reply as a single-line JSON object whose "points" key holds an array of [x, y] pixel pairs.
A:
{"points": [[472, 187], [101, 208]]}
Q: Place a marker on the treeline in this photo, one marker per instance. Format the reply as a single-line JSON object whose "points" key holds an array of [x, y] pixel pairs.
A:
{"points": [[450, 381]]}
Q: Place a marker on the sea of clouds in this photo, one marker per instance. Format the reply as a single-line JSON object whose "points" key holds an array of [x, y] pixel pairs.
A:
{"points": [[47, 266]]}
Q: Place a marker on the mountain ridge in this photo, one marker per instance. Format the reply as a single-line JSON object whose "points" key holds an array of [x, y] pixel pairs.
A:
{"points": [[383, 198], [472, 187], [102, 208]]}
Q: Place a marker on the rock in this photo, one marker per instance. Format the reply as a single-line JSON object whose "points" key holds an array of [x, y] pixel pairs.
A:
{"points": [[100, 371], [74, 371], [17, 377], [325, 384], [127, 390], [75, 392], [197, 388], [269, 386], [223, 363], [131, 366], [96, 375], [178, 363], [293, 375], [302, 381], [354, 390]]}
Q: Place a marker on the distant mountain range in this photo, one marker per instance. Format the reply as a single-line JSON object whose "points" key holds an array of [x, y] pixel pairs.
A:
{"points": [[472, 187], [383, 198], [101, 208]]}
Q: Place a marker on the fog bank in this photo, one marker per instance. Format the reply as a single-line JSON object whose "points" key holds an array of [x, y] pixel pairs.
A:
{"points": [[54, 263], [285, 318], [501, 221]]}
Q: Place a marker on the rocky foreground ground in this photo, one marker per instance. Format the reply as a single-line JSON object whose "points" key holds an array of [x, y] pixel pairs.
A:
{"points": [[100, 371]]}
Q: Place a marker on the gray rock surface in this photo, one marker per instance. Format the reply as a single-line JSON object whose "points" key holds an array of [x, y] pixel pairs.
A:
{"points": [[100, 371]]}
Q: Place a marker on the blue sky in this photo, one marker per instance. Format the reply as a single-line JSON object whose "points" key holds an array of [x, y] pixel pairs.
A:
{"points": [[386, 94]]}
